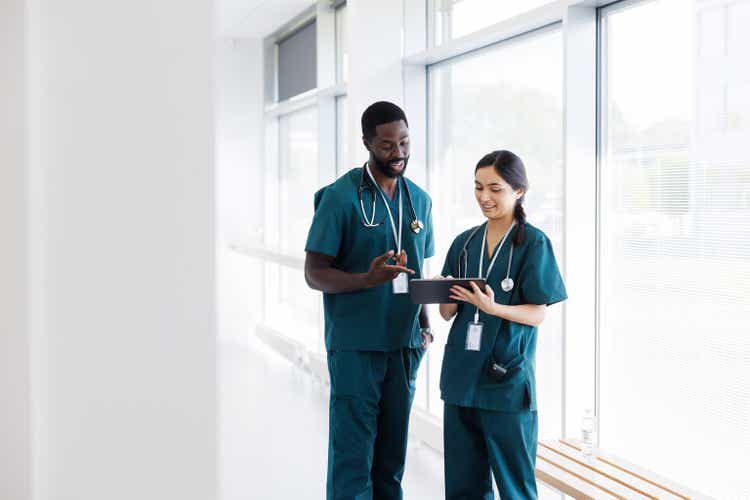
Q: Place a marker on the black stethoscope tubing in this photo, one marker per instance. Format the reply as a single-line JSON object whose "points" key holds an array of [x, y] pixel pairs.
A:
{"points": [[464, 254], [365, 183]]}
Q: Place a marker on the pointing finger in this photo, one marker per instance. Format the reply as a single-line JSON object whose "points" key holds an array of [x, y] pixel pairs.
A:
{"points": [[401, 269], [382, 258]]}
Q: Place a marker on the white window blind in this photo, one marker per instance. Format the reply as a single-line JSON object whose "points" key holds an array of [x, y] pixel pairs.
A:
{"points": [[675, 240]]}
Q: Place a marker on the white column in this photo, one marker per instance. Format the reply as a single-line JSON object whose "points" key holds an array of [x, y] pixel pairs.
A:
{"points": [[579, 35], [15, 412], [121, 231]]}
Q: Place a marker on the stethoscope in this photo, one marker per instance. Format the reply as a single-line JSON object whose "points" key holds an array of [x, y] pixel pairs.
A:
{"points": [[366, 184], [507, 284]]}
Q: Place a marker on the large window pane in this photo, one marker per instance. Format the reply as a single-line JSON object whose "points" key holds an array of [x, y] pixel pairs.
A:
{"points": [[675, 241], [342, 46], [298, 178], [506, 97], [342, 136], [291, 306], [456, 18]]}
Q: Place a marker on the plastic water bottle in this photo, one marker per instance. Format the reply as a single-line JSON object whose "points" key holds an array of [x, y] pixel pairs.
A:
{"points": [[588, 428]]}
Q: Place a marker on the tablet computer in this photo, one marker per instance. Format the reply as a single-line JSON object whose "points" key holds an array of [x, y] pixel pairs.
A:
{"points": [[438, 291]]}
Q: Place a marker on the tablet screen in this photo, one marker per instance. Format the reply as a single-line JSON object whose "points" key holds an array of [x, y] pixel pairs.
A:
{"points": [[437, 291]]}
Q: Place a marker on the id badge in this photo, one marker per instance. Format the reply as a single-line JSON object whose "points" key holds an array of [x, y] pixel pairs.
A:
{"points": [[474, 336], [401, 283]]}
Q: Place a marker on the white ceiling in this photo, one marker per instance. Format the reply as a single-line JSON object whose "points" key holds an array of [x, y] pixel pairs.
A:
{"points": [[256, 18]]}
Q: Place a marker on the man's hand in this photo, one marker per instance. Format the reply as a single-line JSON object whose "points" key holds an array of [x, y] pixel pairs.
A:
{"points": [[402, 258], [380, 272]]}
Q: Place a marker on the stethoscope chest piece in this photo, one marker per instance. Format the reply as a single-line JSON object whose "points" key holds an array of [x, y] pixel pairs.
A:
{"points": [[507, 284], [417, 226]]}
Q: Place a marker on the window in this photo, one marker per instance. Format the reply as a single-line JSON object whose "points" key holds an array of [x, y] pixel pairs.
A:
{"points": [[477, 105], [675, 240], [295, 314], [456, 18], [342, 136], [297, 62], [342, 46], [298, 177]]}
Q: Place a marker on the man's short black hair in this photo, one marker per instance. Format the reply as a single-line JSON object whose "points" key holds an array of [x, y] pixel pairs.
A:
{"points": [[379, 113]]}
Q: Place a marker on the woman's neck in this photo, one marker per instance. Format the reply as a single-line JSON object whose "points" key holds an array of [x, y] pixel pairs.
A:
{"points": [[499, 226]]}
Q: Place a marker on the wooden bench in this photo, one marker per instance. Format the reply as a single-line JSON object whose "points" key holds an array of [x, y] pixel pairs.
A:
{"points": [[562, 465]]}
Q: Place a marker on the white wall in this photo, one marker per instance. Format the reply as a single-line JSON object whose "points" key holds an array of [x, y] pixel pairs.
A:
{"points": [[120, 224], [15, 437]]}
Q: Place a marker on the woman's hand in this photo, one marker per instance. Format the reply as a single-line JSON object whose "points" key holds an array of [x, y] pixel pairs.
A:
{"points": [[485, 301], [427, 339], [447, 311], [526, 314]]}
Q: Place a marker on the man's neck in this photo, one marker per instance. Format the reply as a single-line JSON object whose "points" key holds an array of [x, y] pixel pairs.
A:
{"points": [[387, 184]]}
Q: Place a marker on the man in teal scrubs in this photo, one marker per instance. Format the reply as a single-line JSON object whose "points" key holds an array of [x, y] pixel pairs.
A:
{"points": [[491, 423], [371, 232]]}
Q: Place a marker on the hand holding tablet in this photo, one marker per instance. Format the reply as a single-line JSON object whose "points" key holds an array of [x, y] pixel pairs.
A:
{"points": [[438, 290]]}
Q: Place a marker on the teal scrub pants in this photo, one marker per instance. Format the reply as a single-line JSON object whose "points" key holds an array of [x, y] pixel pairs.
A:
{"points": [[371, 397], [477, 441]]}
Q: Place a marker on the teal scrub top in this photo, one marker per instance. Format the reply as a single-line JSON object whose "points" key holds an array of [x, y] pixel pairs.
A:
{"points": [[464, 378], [374, 319]]}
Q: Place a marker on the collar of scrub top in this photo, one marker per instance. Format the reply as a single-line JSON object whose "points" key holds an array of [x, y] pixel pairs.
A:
{"points": [[367, 182], [494, 258], [464, 254]]}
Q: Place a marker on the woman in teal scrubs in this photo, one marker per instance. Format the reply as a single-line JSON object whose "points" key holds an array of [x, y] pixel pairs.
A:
{"points": [[487, 379]]}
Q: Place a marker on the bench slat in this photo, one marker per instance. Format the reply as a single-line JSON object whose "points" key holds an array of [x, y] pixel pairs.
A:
{"points": [[598, 467], [603, 483], [667, 486], [564, 482]]}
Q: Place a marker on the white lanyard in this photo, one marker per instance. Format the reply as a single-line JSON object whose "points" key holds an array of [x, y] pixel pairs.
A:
{"points": [[492, 262], [396, 234]]}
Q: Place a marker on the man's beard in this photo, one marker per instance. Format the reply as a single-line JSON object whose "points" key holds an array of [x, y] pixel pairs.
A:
{"points": [[385, 166]]}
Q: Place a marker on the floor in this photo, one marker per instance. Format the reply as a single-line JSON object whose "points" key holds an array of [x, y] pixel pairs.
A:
{"points": [[275, 432], [274, 416]]}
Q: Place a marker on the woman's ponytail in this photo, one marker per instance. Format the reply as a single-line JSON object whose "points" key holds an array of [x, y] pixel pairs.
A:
{"points": [[520, 214]]}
